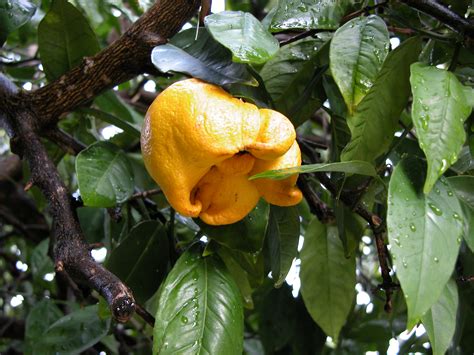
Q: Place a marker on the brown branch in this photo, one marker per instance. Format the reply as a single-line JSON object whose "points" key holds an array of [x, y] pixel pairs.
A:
{"points": [[317, 207], [145, 315], [64, 141], [443, 14], [12, 328], [26, 115], [121, 61], [352, 200]]}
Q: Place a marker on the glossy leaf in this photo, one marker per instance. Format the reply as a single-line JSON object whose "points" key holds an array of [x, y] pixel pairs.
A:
{"points": [[375, 119], [327, 278], [200, 309], [348, 167], [282, 235], [244, 35], [287, 77], [440, 320], [62, 336], [64, 39], [104, 175], [141, 259], [425, 232], [357, 52], [309, 14], [203, 58], [40, 262], [439, 110], [14, 14], [246, 235], [463, 187]]}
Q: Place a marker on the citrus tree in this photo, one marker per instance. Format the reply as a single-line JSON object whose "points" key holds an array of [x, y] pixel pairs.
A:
{"points": [[309, 191]]}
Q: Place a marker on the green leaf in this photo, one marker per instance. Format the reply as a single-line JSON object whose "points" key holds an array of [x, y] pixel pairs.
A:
{"points": [[64, 39], [141, 259], [282, 235], [246, 235], [41, 263], [357, 52], [463, 187], [327, 278], [309, 14], [200, 309], [244, 35], [73, 333], [113, 120], [202, 58], [375, 119], [348, 167], [14, 14], [104, 175], [41, 316], [425, 232], [440, 320], [278, 319], [287, 77], [439, 110], [239, 275]]}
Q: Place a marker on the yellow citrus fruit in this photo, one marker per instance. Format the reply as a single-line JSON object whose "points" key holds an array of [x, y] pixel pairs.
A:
{"points": [[201, 145]]}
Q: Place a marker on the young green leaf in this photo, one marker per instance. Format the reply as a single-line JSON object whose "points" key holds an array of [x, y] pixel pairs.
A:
{"points": [[14, 14], [425, 232], [64, 39], [348, 167], [327, 278], [104, 175], [357, 52], [375, 119], [244, 35], [200, 309], [440, 320], [202, 58], [141, 259], [282, 235], [309, 14], [439, 110]]}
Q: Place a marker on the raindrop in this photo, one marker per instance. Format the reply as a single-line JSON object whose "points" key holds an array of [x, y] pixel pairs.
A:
{"points": [[437, 191], [397, 241], [457, 216], [412, 227], [450, 193], [444, 165], [459, 240], [436, 260], [184, 320], [435, 209], [404, 263]]}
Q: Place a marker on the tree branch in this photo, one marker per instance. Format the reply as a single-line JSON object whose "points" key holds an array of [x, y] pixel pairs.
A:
{"points": [[443, 14], [121, 61], [27, 115]]}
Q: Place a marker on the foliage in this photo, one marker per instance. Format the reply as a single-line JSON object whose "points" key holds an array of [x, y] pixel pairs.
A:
{"points": [[381, 95]]}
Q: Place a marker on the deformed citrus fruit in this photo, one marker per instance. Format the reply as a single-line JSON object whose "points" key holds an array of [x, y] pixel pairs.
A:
{"points": [[200, 145]]}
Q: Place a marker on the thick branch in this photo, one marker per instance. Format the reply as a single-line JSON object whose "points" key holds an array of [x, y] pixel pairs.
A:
{"points": [[124, 59], [27, 115]]}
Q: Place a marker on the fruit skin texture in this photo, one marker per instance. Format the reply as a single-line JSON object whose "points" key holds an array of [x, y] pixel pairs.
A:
{"points": [[201, 145]]}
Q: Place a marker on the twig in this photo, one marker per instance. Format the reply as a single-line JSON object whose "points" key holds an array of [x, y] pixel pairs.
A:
{"points": [[466, 278], [364, 10], [443, 14], [320, 209], [145, 194], [66, 142], [145, 315]]}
